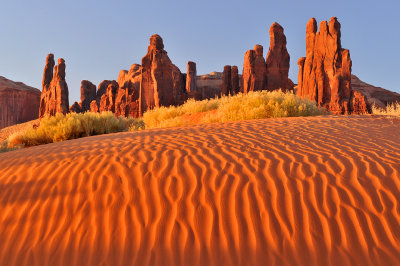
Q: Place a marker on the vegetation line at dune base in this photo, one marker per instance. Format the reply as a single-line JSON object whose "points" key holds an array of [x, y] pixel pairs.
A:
{"points": [[254, 105]]}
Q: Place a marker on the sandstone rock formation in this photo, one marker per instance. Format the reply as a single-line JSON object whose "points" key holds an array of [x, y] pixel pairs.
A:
{"points": [[88, 94], [54, 97], [325, 72], [359, 103], [226, 88], [161, 81], [94, 108], [254, 70], [191, 77], [19, 103], [107, 99], [234, 80], [278, 61]]}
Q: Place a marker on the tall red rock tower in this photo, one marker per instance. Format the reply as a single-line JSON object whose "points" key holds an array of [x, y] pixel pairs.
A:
{"points": [[254, 70], [278, 60], [54, 98], [161, 81], [325, 72]]}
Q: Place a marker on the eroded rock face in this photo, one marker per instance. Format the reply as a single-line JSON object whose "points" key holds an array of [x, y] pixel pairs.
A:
{"points": [[54, 97], [325, 72], [161, 81], [19, 103], [254, 70], [278, 60], [88, 94]]}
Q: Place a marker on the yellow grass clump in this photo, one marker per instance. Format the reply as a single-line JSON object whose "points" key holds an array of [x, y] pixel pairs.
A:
{"points": [[71, 126], [392, 109], [253, 105]]}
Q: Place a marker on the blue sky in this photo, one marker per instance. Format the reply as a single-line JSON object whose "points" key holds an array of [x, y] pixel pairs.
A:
{"points": [[99, 38]]}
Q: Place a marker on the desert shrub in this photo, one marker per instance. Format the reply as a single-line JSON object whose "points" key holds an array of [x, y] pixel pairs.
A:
{"points": [[6, 146], [71, 126], [253, 105], [392, 109]]}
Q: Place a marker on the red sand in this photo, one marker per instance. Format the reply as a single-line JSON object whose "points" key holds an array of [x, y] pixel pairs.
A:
{"points": [[295, 191]]}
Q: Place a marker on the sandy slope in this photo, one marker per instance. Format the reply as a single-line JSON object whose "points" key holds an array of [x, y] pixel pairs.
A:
{"points": [[322, 190]]}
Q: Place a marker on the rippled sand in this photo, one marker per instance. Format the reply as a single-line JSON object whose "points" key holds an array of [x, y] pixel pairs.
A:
{"points": [[293, 191]]}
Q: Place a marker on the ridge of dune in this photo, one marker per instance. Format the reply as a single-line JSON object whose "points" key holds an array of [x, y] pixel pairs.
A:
{"points": [[288, 191]]}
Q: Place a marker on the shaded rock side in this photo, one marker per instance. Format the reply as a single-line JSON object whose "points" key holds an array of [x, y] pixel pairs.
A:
{"points": [[375, 95]]}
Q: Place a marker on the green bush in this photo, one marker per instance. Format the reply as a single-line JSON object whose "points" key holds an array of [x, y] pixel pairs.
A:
{"points": [[71, 126], [254, 105]]}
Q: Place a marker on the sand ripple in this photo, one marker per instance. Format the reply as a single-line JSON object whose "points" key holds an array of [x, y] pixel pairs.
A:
{"points": [[295, 191]]}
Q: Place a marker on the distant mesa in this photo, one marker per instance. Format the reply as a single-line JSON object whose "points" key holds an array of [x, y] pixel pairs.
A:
{"points": [[19, 103]]}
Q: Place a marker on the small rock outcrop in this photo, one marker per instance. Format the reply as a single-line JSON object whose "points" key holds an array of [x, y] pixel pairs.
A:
{"points": [[254, 70], [75, 108], [19, 103], [54, 97], [278, 61], [325, 72]]}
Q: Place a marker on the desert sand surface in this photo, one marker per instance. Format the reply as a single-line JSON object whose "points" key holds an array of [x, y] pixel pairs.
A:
{"points": [[289, 191]]}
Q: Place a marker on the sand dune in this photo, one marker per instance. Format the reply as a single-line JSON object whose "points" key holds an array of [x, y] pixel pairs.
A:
{"points": [[293, 191]]}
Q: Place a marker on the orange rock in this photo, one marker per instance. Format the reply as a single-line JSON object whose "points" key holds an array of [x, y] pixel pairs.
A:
{"points": [[325, 72]]}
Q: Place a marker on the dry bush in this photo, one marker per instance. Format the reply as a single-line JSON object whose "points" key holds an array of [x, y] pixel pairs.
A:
{"points": [[71, 126], [254, 105], [392, 109]]}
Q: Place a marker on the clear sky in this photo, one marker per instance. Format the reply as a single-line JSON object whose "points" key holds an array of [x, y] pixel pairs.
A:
{"points": [[99, 38]]}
